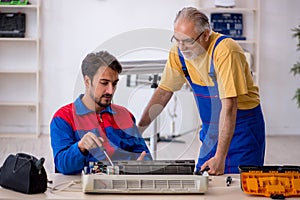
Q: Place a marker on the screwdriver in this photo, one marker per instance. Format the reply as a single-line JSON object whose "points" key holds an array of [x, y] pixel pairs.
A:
{"points": [[105, 153], [228, 180], [200, 172]]}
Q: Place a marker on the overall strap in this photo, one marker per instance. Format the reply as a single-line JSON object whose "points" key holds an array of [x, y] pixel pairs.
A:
{"points": [[212, 68], [184, 69]]}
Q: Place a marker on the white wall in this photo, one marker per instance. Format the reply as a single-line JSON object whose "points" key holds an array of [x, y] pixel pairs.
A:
{"points": [[71, 29], [278, 54]]}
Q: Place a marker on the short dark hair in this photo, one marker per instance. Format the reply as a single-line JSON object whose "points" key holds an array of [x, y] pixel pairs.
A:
{"points": [[93, 61]]}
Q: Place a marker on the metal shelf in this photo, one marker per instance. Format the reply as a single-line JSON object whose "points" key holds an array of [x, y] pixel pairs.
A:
{"points": [[29, 6], [213, 9], [19, 39], [25, 71], [11, 103], [251, 9]]}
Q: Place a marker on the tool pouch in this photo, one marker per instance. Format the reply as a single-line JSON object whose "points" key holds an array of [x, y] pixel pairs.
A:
{"points": [[23, 173]]}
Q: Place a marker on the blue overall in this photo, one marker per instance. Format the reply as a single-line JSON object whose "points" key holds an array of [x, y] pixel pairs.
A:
{"points": [[248, 142]]}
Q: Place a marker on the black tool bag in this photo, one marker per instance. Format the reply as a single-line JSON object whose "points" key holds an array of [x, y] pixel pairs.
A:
{"points": [[24, 173]]}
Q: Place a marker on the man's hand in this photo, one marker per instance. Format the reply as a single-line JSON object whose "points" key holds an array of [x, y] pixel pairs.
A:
{"points": [[142, 156], [216, 166], [89, 141]]}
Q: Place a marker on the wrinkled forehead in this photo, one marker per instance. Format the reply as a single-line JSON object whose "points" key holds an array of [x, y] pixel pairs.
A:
{"points": [[184, 29]]}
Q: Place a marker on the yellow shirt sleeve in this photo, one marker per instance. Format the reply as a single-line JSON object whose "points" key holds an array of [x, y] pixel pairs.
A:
{"points": [[234, 75], [172, 77], [230, 67]]}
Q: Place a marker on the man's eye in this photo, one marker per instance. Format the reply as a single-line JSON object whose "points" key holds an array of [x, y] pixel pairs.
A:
{"points": [[104, 83], [188, 41]]}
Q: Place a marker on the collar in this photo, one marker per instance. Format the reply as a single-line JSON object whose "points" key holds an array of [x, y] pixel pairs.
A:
{"points": [[81, 109]]}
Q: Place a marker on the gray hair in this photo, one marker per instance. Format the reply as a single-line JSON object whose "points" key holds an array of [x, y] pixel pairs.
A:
{"points": [[192, 14], [93, 61]]}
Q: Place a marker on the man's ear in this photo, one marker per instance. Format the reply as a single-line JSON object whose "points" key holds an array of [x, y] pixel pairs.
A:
{"points": [[87, 81], [206, 35]]}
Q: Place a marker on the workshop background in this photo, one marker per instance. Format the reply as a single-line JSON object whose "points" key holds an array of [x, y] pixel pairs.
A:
{"points": [[69, 30]]}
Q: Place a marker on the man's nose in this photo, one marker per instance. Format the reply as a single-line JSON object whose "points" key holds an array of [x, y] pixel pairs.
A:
{"points": [[182, 46], [110, 88]]}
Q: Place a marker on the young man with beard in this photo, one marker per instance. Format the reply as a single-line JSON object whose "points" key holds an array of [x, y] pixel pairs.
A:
{"points": [[81, 131], [233, 129]]}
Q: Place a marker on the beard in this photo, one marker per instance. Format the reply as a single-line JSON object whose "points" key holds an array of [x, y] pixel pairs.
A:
{"points": [[189, 54], [103, 101]]}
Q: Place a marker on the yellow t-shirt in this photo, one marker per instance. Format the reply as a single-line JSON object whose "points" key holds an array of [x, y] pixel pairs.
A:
{"points": [[232, 71]]}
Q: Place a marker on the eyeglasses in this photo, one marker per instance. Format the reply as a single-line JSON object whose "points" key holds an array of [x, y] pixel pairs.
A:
{"points": [[186, 42]]}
